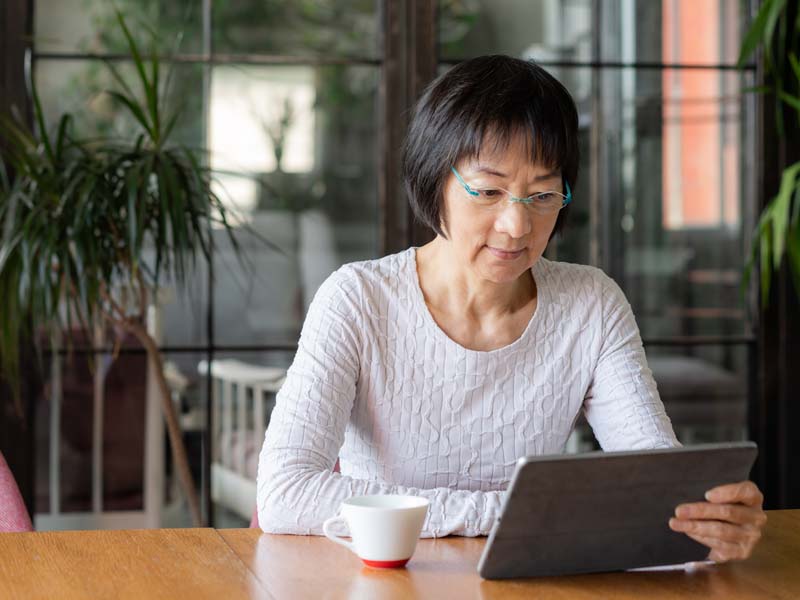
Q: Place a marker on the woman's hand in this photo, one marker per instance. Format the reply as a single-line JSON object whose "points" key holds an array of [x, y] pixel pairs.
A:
{"points": [[729, 523]]}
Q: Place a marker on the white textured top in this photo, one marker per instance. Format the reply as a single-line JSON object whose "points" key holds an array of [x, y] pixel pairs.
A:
{"points": [[408, 410]]}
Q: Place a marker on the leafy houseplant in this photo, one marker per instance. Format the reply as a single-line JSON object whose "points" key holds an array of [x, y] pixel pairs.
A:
{"points": [[776, 29], [92, 228]]}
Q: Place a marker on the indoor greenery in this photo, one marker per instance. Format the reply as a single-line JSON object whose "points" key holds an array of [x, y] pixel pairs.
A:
{"points": [[92, 228], [776, 31]]}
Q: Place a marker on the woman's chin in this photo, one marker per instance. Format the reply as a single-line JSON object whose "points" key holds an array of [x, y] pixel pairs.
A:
{"points": [[503, 273]]}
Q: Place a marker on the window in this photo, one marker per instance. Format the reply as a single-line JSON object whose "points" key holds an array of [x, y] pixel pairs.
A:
{"points": [[303, 106], [285, 97]]}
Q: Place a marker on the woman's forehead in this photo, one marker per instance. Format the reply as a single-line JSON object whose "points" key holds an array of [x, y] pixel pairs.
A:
{"points": [[506, 168], [506, 156]]}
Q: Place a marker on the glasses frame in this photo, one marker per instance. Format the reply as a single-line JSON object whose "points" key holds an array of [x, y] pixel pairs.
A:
{"points": [[529, 200]]}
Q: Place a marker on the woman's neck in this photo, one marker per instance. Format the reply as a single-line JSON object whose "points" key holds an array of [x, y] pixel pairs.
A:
{"points": [[449, 287]]}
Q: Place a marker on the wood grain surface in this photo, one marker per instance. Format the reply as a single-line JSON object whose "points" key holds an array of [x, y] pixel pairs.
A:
{"points": [[155, 563], [245, 563], [311, 567]]}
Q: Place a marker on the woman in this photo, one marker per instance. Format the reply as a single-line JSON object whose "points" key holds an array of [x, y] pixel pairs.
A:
{"points": [[430, 372]]}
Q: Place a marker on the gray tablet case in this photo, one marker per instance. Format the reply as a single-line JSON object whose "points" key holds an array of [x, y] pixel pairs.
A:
{"points": [[605, 511]]}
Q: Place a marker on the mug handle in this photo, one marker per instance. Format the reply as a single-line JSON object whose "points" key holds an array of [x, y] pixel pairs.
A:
{"points": [[326, 529]]}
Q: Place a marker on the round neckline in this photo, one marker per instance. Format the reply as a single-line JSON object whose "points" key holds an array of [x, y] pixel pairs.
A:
{"points": [[541, 301]]}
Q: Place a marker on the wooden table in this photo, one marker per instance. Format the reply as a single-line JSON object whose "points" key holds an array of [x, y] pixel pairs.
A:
{"points": [[244, 563]]}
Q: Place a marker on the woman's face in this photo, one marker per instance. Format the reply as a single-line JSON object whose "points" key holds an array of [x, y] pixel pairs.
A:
{"points": [[499, 243]]}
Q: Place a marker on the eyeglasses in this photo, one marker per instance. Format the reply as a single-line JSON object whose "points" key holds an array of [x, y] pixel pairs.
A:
{"points": [[543, 203]]}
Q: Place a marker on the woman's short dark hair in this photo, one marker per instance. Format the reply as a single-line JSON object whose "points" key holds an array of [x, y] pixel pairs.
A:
{"points": [[496, 95]]}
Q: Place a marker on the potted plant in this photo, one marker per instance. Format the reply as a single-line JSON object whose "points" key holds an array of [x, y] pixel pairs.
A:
{"points": [[778, 230], [92, 228]]}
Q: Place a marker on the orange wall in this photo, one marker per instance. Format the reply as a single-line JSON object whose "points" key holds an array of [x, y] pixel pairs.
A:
{"points": [[692, 158]]}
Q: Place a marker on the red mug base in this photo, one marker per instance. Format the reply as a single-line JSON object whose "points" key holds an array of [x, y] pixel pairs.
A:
{"points": [[385, 564]]}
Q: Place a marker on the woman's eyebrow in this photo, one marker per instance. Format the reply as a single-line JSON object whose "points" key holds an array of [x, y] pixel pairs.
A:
{"points": [[551, 175], [488, 171]]}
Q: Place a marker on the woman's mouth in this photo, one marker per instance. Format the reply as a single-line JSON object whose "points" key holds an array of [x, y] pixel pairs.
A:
{"points": [[506, 254]]}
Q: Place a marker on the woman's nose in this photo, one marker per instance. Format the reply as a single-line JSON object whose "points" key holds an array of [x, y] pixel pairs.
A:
{"points": [[513, 219]]}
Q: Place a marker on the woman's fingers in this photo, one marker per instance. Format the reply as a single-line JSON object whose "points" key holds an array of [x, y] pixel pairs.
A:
{"points": [[743, 492], [729, 523], [719, 530], [722, 551], [731, 513]]}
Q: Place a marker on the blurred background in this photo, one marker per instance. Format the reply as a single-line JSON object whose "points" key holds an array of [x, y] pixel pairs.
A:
{"points": [[303, 107]]}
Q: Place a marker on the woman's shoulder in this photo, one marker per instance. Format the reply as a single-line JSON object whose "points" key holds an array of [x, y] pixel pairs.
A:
{"points": [[570, 274], [577, 281], [367, 273], [391, 266], [367, 278]]}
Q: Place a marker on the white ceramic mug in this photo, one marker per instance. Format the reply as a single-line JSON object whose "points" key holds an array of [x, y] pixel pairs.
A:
{"points": [[384, 528]]}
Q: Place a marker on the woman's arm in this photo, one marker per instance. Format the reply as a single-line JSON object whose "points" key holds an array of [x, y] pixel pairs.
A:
{"points": [[297, 489], [622, 404]]}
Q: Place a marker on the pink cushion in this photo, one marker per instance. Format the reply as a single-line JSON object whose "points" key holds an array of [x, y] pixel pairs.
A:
{"points": [[254, 519], [13, 516]]}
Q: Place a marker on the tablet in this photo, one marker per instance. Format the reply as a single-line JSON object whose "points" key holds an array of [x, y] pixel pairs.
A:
{"points": [[605, 511]]}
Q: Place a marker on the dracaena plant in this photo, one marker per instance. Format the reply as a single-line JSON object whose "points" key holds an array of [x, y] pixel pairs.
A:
{"points": [[91, 228], [776, 30]]}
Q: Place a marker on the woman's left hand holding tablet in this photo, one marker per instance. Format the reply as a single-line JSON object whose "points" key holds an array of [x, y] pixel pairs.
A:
{"points": [[730, 523]]}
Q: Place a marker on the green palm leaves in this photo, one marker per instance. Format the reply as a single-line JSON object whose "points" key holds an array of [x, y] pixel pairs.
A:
{"points": [[778, 231]]}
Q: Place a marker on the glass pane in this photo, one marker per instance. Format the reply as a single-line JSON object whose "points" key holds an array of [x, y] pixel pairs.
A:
{"points": [[90, 26], [564, 30], [704, 390], [667, 31], [672, 197], [324, 27], [295, 148], [42, 428], [125, 389], [184, 311], [187, 385], [139, 483], [541, 29], [75, 443], [78, 86], [244, 386], [73, 379]]}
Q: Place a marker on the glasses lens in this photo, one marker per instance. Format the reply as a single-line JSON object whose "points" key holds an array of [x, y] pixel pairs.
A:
{"points": [[548, 201], [489, 196]]}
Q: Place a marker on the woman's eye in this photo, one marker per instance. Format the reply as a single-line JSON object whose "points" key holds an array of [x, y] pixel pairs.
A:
{"points": [[489, 193], [546, 198]]}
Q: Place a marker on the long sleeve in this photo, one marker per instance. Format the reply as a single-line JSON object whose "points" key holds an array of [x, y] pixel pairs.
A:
{"points": [[622, 404], [297, 488]]}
